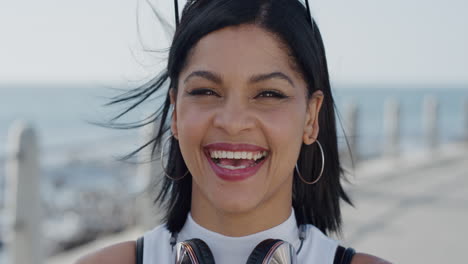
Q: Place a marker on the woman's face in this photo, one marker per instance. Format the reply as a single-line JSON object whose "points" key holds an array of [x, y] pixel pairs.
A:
{"points": [[241, 115]]}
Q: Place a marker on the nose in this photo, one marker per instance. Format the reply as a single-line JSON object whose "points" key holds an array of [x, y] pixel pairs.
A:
{"points": [[234, 117]]}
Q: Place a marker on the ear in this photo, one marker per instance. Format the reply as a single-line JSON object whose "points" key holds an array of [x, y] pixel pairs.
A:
{"points": [[172, 96], [311, 128]]}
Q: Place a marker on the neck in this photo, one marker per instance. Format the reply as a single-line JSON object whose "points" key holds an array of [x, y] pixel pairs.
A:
{"points": [[237, 223]]}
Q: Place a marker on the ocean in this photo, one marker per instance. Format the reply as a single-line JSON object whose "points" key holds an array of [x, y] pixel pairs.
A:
{"points": [[62, 114]]}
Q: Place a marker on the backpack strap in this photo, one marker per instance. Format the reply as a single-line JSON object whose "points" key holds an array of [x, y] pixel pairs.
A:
{"points": [[344, 255], [139, 250]]}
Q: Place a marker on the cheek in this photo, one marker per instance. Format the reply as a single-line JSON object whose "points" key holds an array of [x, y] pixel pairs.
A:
{"points": [[190, 119], [284, 124], [192, 125], [284, 128]]}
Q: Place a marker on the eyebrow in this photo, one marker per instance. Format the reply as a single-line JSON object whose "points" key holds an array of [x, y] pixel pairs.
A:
{"points": [[206, 75], [273, 75], [216, 78]]}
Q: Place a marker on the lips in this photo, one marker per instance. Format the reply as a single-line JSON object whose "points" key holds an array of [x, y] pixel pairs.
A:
{"points": [[235, 162]]}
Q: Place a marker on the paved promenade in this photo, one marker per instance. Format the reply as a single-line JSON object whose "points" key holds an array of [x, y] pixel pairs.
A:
{"points": [[411, 210], [71, 256]]}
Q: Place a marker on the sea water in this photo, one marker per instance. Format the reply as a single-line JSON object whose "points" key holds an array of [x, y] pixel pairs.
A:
{"points": [[62, 114]]}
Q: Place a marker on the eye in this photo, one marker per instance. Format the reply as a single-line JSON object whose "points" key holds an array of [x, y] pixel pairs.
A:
{"points": [[201, 92], [271, 94]]}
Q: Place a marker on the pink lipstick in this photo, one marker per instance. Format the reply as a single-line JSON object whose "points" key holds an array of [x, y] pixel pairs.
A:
{"points": [[235, 162]]}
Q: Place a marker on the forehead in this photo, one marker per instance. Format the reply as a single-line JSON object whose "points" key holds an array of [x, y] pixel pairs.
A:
{"points": [[241, 51]]}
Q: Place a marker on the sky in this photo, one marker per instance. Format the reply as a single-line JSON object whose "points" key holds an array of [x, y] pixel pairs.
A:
{"points": [[367, 41]]}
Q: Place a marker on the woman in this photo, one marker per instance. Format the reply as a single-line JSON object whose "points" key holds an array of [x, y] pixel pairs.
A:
{"points": [[253, 148]]}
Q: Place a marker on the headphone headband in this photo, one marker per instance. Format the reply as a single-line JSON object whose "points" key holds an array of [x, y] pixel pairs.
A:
{"points": [[176, 10]]}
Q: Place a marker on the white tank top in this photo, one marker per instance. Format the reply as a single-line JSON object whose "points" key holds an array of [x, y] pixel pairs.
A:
{"points": [[317, 247]]}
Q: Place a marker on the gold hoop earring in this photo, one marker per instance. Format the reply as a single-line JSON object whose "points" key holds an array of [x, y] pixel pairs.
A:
{"points": [[321, 170], [162, 163]]}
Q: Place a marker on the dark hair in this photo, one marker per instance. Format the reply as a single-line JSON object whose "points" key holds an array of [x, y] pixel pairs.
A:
{"points": [[289, 21]]}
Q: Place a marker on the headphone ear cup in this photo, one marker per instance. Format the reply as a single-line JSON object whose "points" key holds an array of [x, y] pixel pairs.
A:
{"points": [[202, 251], [261, 250]]}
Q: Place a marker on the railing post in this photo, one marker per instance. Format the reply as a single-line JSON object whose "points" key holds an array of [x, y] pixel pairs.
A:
{"points": [[23, 199], [392, 127], [147, 171], [352, 121], [465, 114], [431, 118]]}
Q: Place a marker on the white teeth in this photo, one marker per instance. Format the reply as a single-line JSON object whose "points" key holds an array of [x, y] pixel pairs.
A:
{"points": [[220, 154], [231, 167]]}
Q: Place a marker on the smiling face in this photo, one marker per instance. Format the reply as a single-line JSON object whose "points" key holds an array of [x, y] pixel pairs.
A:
{"points": [[241, 116]]}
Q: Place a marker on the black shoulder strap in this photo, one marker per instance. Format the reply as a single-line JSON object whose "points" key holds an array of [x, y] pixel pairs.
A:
{"points": [[343, 255], [139, 250]]}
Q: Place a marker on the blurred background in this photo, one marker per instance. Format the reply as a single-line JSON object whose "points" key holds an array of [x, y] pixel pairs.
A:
{"points": [[399, 72]]}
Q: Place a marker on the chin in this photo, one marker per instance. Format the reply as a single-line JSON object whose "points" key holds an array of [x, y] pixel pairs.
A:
{"points": [[235, 201]]}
